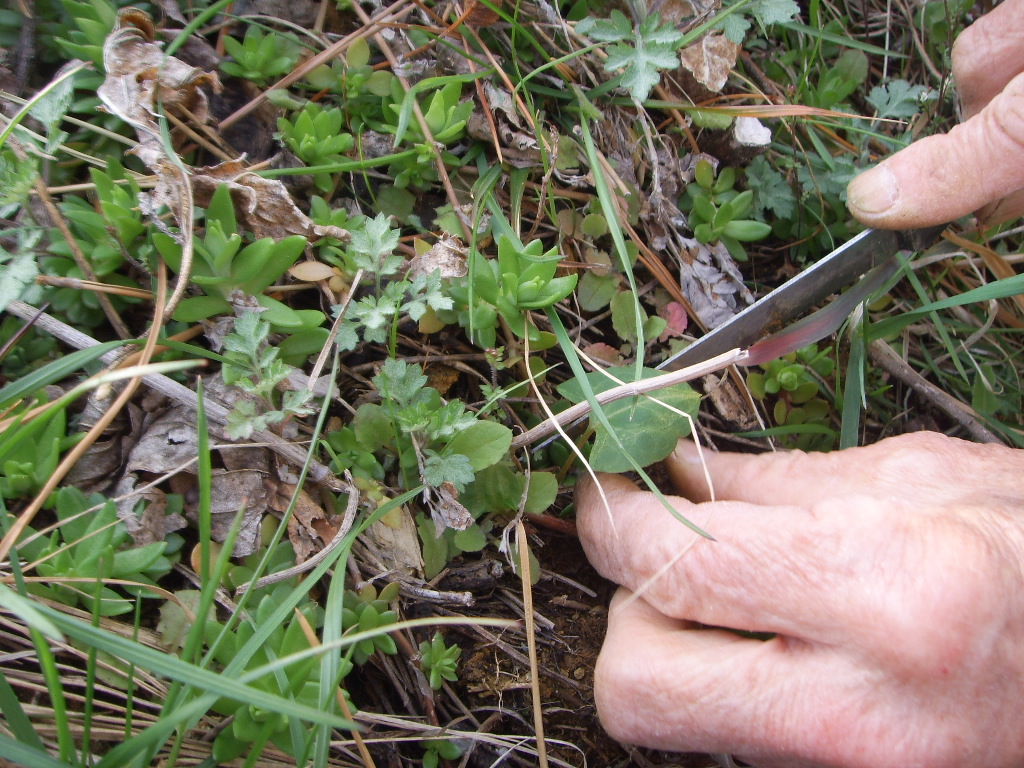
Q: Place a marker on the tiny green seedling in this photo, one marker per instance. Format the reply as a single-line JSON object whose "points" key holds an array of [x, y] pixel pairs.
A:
{"points": [[438, 661]]}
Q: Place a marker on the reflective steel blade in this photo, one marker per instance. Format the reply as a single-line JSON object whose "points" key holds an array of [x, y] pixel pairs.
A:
{"points": [[788, 302]]}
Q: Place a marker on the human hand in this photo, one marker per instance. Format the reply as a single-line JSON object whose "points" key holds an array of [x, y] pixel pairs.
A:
{"points": [[892, 577], [977, 166]]}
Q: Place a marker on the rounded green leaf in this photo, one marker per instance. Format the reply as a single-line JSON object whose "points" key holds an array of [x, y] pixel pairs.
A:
{"points": [[484, 443]]}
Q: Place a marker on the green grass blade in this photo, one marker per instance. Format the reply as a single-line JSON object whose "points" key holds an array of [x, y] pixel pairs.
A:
{"points": [[20, 753], [15, 718], [56, 371]]}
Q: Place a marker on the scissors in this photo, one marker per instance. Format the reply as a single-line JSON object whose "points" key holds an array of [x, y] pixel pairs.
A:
{"points": [[772, 326]]}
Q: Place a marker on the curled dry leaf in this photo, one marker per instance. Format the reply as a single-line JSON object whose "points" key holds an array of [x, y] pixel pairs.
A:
{"points": [[447, 511], [712, 283], [447, 255], [710, 60], [262, 205]]}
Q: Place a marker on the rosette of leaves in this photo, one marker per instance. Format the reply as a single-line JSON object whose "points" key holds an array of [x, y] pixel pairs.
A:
{"points": [[316, 137], [104, 253], [715, 210], [260, 56], [445, 115], [89, 547], [794, 383], [224, 263], [521, 279], [368, 611], [438, 661], [251, 726], [361, 87], [30, 453]]}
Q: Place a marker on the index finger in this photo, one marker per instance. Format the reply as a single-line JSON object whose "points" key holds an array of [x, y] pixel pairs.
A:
{"points": [[937, 468], [789, 570]]}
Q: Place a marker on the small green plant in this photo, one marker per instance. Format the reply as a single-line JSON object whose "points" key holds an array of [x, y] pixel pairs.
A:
{"points": [[316, 137], [438, 661], [105, 253], [32, 349], [361, 89], [33, 455], [794, 382], [438, 750], [253, 365], [224, 265], [445, 115], [89, 548], [252, 727], [373, 317], [521, 279], [366, 611], [261, 56], [715, 209]]}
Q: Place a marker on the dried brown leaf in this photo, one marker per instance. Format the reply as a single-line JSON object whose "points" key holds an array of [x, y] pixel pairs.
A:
{"points": [[710, 60], [447, 255], [262, 205]]}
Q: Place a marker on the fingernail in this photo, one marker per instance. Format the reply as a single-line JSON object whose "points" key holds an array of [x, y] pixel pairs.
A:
{"points": [[687, 452], [874, 191]]}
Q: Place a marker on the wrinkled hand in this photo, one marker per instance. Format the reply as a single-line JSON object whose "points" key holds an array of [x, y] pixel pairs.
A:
{"points": [[977, 166], [892, 577]]}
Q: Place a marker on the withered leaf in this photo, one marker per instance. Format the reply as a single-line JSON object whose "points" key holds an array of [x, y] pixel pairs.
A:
{"points": [[262, 205], [710, 60], [447, 511], [394, 537], [308, 527], [447, 255], [712, 283]]}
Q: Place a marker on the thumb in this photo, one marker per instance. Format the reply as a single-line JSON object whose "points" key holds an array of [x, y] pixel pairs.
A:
{"points": [[941, 178]]}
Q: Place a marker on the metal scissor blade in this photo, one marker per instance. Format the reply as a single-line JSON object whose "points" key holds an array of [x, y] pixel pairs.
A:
{"points": [[788, 302]]}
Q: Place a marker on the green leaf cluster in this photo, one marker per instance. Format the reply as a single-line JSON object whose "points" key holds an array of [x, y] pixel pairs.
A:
{"points": [[224, 264], [103, 237], [316, 137], [254, 366], [29, 455], [261, 56], [367, 611], [251, 726], [715, 210], [794, 383], [438, 661], [438, 750], [446, 116], [521, 279], [735, 18], [641, 52], [90, 547]]}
